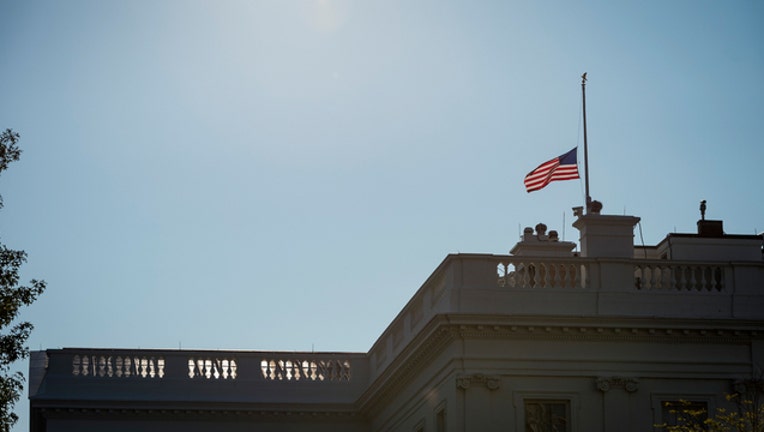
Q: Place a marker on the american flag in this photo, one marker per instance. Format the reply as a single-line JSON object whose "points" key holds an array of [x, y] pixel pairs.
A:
{"points": [[564, 167]]}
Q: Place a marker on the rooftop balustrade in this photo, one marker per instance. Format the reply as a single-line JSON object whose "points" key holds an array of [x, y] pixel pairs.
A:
{"points": [[174, 375]]}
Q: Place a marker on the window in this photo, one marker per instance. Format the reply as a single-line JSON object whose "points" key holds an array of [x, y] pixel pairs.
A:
{"points": [[547, 415], [440, 419]]}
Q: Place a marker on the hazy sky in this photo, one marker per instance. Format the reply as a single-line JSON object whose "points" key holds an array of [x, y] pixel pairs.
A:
{"points": [[283, 175]]}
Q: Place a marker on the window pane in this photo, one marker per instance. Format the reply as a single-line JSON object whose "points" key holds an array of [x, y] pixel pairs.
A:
{"points": [[440, 421], [543, 415]]}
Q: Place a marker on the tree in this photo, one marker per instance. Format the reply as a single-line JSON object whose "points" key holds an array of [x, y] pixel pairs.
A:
{"points": [[13, 335], [748, 417]]}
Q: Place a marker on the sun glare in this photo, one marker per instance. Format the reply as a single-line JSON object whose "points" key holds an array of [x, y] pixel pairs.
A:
{"points": [[326, 15]]}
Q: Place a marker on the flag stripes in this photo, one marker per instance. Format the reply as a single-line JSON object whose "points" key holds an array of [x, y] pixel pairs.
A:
{"points": [[564, 167]]}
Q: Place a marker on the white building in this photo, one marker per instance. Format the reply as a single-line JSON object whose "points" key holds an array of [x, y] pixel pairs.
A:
{"points": [[543, 339]]}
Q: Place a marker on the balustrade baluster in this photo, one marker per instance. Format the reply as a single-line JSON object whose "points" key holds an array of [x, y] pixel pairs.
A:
{"points": [[538, 275], [665, 282], [719, 279], [85, 365], [694, 282], [679, 278], [646, 274], [705, 279]]}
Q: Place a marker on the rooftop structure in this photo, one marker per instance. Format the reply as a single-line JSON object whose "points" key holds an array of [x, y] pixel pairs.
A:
{"points": [[545, 338]]}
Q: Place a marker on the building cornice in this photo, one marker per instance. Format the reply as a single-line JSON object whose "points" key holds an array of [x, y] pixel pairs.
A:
{"points": [[608, 329], [445, 328]]}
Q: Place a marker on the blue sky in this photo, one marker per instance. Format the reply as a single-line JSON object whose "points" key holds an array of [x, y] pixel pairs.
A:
{"points": [[284, 175]]}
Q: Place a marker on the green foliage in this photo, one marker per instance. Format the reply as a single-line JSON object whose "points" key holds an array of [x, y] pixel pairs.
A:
{"points": [[747, 417], [13, 297], [9, 151]]}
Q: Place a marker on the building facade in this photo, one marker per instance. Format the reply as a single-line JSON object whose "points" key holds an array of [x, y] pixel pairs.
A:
{"points": [[610, 338]]}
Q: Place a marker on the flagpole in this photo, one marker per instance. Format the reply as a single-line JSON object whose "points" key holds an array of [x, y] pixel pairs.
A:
{"points": [[586, 148]]}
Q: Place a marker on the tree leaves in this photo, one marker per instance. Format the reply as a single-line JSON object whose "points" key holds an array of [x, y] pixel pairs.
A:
{"points": [[748, 417], [12, 298], [9, 150]]}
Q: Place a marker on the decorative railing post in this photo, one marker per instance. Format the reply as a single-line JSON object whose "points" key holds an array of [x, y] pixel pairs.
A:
{"points": [[542, 273], [700, 277]]}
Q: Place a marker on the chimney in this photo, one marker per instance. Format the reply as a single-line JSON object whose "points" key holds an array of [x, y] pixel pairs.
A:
{"points": [[542, 244], [710, 228], [606, 236]]}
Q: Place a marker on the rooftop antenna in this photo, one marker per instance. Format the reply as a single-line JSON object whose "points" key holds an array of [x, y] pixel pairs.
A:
{"points": [[586, 147], [563, 226]]}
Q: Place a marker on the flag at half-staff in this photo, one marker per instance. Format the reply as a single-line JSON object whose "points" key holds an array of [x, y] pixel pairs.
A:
{"points": [[564, 167]]}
